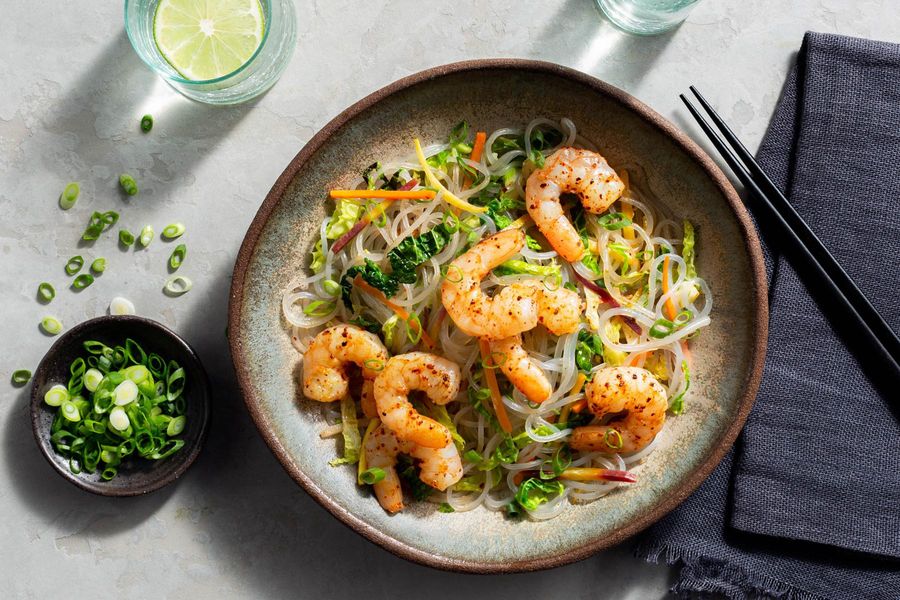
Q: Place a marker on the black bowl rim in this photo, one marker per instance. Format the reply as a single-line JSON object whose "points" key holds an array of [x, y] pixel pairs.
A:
{"points": [[185, 459]]}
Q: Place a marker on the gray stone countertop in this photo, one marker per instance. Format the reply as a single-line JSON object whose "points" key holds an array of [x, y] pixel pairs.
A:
{"points": [[71, 94]]}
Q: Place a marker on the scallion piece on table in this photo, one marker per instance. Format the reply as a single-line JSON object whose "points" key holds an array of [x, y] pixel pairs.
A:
{"points": [[129, 185], [173, 230], [69, 196], [51, 325], [146, 123], [121, 306], [99, 265], [146, 236], [82, 281], [21, 377], [98, 223], [177, 257], [126, 238], [177, 285], [74, 265], [46, 292]]}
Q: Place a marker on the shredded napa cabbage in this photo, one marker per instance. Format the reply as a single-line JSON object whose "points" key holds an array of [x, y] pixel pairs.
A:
{"points": [[676, 406], [687, 250], [520, 267], [612, 357], [350, 431], [346, 214]]}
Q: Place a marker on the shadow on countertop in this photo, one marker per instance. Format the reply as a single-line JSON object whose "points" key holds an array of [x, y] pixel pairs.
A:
{"points": [[55, 500]]}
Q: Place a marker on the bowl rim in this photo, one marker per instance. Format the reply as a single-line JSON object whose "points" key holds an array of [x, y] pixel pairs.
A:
{"points": [[186, 459], [652, 118]]}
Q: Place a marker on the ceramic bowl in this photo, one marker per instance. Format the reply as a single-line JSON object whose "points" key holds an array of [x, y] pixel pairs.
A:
{"points": [[728, 356], [136, 476]]}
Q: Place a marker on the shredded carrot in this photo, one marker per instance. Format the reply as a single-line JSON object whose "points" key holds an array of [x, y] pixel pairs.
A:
{"points": [[475, 156], [579, 406], [670, 306], [391, 194], [398, 310], [636, 358], [518, 477], [496, 398]]}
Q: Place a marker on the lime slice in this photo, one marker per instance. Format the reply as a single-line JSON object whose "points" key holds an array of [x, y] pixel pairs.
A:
{"points": [[205, 40]]}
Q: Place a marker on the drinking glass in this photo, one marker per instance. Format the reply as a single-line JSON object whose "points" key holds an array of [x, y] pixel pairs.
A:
{"points": [[247, 81], [646, 17]]}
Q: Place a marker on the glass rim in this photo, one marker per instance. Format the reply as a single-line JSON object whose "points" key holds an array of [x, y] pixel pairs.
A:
{"points": [[267, 8]]}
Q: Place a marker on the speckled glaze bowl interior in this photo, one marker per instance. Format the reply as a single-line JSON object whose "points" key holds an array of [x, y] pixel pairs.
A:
{"points": [[727, 359]]}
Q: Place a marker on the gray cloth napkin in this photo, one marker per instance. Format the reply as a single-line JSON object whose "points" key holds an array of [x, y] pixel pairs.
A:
{"points": [[807, 505]]}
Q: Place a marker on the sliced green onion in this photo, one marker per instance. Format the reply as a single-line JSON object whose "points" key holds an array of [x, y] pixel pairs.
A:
{"points": [[177, 257], [175, 384], [70, 411], [614, 221], [452, 273], [494, 363], [21, 377], [616, 443], [92, 379], [118, 419], [413, 328], [129, 185], [51, 325], [126, 238], [146, 123], [125, 393], [177, 285], [134, 352], [331, 287], [661, 328], [156, 365], [318, 308], [74, 265], [108, 473], [173, 230], [451, 222], [552, 282], [373, 364], [46, 292], [94, 347], [99, 265], [176, 426], [56, 395], [121, 306], [137, 373], [82, 281], [683, 318], [98, 223], [146, 236], [372, 476], [69, 196]]}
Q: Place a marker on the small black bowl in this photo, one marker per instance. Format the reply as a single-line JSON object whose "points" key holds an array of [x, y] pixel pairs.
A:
{"points": [[136, 475]]}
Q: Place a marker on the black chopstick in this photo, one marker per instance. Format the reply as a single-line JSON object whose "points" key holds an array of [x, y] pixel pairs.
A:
{"points": [[879, 326], [840, 291]]}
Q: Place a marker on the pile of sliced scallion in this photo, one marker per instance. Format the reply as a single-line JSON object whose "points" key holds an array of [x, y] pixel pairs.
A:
{"points": [[119, 402]]}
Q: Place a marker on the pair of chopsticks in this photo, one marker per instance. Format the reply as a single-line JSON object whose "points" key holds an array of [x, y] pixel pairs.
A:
{"points": [[805, 249]]}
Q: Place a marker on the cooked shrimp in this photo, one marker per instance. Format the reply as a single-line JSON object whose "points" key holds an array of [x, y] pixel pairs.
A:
{"points": [[381, 449], [559, 311], [324, 365], [637, 404], [367, 398], [576, 171], [438, 377], [438, 467], [510, 311], [521, 371]]}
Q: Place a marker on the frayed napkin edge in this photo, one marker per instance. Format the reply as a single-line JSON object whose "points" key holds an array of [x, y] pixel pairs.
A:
{"points": [[703, 575]]}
